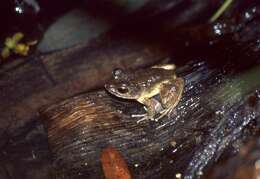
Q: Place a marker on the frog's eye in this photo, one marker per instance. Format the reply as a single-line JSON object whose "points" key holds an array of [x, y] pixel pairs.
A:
{"points": [[117, 73], [122, 89]]}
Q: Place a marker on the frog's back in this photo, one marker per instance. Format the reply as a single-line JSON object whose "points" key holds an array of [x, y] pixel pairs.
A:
{"points": [[152, 75]]}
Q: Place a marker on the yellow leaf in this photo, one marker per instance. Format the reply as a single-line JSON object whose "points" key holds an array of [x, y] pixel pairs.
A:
{"points": [[21, 49], [17, 36], [10, 43], [5, 53]]}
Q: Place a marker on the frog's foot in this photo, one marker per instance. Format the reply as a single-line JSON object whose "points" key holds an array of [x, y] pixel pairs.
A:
{"points": [[163, 113], [143, 117], [158, 118], [139, 115]]}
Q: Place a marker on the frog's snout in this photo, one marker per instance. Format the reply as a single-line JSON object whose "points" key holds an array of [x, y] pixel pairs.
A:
{"points": [[110, 87]]}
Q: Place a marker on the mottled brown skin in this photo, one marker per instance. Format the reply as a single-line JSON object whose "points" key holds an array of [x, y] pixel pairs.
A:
{"points": [[143, 85]]}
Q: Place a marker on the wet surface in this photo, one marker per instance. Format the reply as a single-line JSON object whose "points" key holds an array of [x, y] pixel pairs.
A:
{"points": [[198, 131], [216, 117]]}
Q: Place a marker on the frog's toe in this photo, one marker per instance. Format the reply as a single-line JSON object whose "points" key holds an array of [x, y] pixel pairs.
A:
{"points": [[143, 119], [162, 114], [142, 116], [158, 118], [138, 115]]}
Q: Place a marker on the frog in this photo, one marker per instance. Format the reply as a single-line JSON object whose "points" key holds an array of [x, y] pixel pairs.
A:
{"points": [[143, 85]]}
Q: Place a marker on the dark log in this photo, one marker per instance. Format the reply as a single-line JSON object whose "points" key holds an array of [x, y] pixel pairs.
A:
{"points": [[211, 116], [244, 165]]}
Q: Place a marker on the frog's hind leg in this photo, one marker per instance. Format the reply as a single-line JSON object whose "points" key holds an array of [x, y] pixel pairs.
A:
{"points": [[152, 107], [163, 113], [165, 66], [170, 94]]}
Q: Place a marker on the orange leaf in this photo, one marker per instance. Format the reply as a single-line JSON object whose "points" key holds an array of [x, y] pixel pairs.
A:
{"points": [[114, 165]]}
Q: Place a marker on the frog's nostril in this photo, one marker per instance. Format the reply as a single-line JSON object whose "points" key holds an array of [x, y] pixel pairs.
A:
{"points": [[109, 87]]}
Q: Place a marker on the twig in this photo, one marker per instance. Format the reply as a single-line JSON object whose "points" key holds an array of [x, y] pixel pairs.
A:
{"points": [[220, 11]]}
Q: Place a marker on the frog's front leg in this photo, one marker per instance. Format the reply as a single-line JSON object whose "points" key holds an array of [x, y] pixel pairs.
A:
{"points": [[170, 94], [152, 107]]}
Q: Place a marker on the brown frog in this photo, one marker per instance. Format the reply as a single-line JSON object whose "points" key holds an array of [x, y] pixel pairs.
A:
{"points": [[144, 85]]}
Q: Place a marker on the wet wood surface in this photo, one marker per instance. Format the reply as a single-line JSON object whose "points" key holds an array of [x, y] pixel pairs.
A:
{"points": [[200, 128]]}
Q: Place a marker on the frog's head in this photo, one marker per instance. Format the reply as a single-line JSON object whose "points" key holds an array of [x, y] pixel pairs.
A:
{"points": [[121, 86]]}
